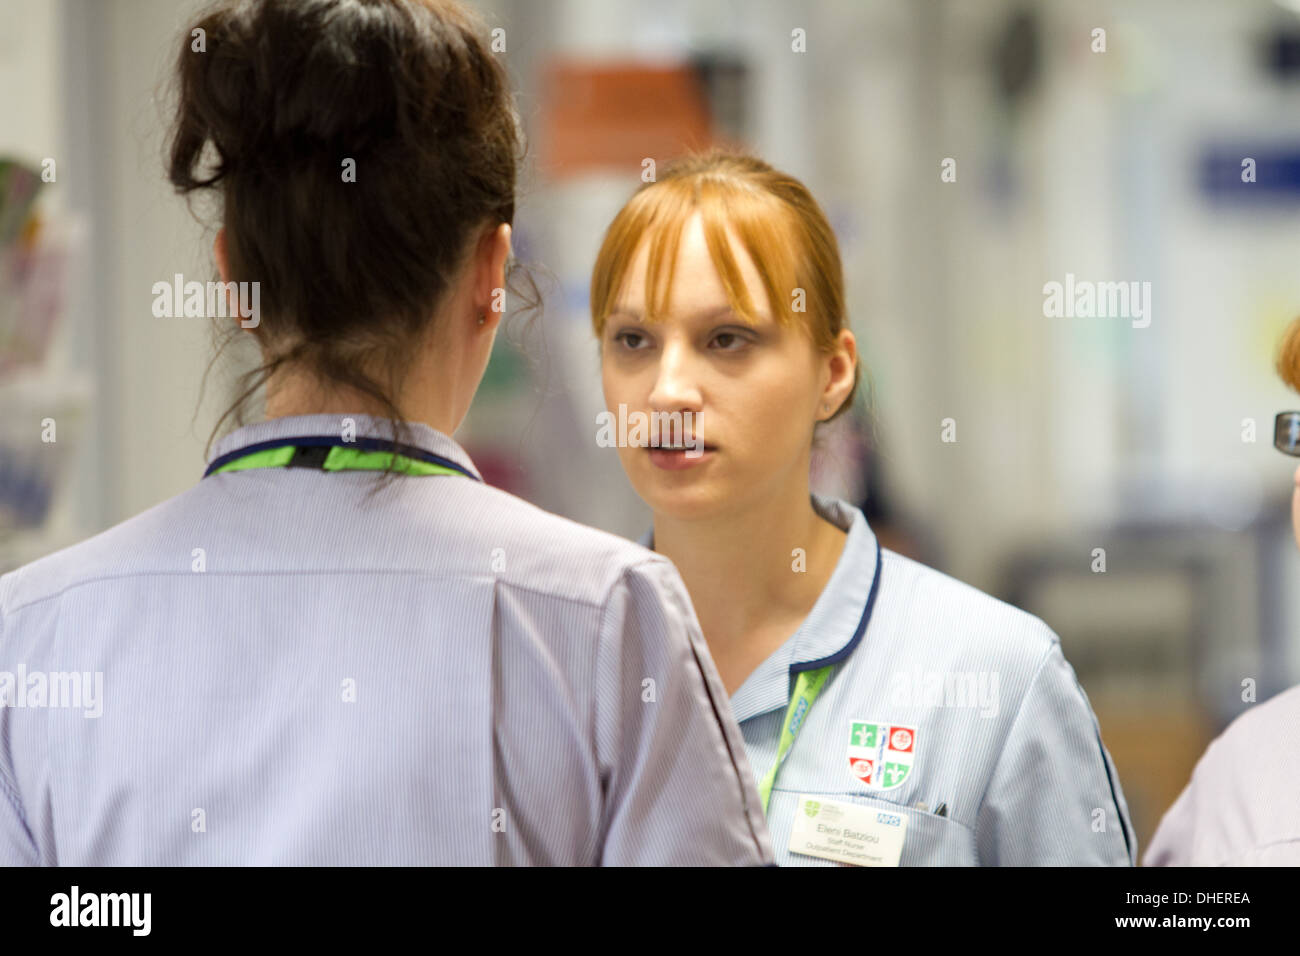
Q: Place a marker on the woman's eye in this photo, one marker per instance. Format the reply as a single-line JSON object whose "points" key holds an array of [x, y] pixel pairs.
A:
{"points": [[730, 341], [624, 338]]}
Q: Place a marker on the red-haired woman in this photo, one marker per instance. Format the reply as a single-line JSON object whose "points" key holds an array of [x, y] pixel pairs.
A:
{"points": [[928, 722]]}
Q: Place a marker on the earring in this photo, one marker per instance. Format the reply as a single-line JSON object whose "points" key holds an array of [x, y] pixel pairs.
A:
{"points": [[482, 317]]}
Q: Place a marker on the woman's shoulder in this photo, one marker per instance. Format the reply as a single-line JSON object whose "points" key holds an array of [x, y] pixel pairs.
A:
{"points": [[923, 589], [543, 542], [115, 551], [462, 528], [951, 618], [1262, 742], [1239, 808]]}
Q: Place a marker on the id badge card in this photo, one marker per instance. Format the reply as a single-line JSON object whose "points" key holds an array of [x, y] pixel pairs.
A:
{"points": [[847, 832]]}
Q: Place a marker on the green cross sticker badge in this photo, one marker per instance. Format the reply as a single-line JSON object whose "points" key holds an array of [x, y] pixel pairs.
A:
{"points": [[881, 754]]}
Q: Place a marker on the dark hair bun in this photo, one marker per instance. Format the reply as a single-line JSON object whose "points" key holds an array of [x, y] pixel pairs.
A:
{"points": [[360, 145], [287, 92]]}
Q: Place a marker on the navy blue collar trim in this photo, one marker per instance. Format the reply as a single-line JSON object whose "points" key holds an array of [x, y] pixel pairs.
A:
{"points": [[847, 649], [362, 442]]}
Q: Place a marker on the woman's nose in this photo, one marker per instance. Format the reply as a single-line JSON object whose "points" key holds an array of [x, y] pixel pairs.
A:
{"points": [[674, 386]]}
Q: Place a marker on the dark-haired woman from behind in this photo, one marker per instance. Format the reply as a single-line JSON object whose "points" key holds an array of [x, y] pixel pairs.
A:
{"points": [[340, 646]]}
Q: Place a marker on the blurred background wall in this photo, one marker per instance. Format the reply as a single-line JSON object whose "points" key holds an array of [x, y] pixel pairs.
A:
{"points": [[1112, 477]]}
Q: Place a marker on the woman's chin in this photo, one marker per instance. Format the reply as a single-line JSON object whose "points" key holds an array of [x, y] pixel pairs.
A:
{"points": [[683, 504]]}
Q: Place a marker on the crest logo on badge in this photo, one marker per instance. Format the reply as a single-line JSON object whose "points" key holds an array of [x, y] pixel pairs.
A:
{"points": [[881, 754], [811, 807]]}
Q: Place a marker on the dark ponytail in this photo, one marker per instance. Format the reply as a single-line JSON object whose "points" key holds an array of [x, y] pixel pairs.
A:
{"points": [[274, 97]]}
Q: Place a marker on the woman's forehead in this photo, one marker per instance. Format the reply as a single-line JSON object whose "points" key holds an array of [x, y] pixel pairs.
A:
{"points": [[683, 273], [696, 312]]}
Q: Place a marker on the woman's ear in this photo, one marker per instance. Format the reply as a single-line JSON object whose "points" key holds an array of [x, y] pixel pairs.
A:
{"points": [[842, 364], [490, 268], [219, 253], [223, 269]]}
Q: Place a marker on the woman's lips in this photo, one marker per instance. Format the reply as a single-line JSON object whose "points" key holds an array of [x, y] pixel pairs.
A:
{"points": [[678, 459]]}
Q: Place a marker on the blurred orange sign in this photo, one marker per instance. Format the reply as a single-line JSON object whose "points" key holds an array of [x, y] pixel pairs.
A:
{"points": [[596, 116]]}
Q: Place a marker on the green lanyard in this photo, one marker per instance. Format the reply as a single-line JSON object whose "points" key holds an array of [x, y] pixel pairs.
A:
{"points": [[339, 458], [806, 688]]}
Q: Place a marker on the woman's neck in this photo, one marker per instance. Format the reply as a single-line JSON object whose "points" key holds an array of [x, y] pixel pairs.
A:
{"points": [[752, 576], [291, 393]]}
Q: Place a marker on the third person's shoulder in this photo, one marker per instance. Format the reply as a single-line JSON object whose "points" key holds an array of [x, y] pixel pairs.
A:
{"points": [[1239, 806]]}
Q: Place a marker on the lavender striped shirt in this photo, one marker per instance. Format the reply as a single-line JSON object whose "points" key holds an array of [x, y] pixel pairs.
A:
{"points": [[1240, 807], [290, 672]]}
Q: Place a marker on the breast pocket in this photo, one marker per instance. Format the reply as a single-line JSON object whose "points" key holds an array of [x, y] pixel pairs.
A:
{"points": [[928, 840]]}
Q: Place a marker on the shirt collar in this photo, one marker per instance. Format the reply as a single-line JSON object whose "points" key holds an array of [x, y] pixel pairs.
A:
{"points": [[833, 627], [422, 436]]}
